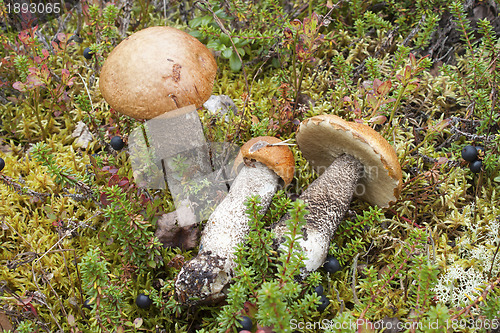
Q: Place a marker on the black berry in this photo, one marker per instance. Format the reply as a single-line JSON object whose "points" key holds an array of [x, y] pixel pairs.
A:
{"points": [[87, 305], [87, 53], [2, 164], [117, 143], [469, 153], [319, 290], [332, 265], [324, 303], [475, 166], [246, 324], [143, 301]]}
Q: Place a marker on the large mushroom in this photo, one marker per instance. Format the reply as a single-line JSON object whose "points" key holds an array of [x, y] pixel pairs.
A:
{"points": [[205, 277], [352, 159], [157, 70], [162, 74]]}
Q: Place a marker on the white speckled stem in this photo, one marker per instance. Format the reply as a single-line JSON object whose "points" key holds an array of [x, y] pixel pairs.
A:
{"points": [[205, 276], [328, 198]]}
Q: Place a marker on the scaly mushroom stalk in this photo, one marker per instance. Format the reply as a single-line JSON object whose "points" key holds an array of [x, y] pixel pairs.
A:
{"points": [[205, 277], [207, 274], [327, 199]]}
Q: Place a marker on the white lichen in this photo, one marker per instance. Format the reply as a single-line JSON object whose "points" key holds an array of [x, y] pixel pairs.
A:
{"points": [[459, 285], [466, 274]]}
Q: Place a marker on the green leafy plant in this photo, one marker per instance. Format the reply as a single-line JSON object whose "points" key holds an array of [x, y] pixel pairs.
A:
{"points": [[41, 79], [245, 36], [272, 299]]}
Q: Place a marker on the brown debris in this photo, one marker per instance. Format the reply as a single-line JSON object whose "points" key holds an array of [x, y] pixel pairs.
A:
{"points": [[178, 228]]}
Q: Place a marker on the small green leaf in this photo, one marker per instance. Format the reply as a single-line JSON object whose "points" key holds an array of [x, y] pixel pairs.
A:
{"points": [[206, 20], [224, 39], [371, 100], [196, 22], [214, 44], [234, 62], [227, 53]]}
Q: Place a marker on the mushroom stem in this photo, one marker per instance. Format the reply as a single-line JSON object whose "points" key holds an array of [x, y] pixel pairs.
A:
{"points": [[327, 198], [205, 276]]}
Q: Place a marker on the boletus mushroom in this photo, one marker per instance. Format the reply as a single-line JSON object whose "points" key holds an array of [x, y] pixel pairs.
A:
{"points": [[352, 159], [204, 278], [157, 70]]}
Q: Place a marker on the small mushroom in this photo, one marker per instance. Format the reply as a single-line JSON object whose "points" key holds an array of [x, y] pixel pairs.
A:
{"points": [[204, 277], [352, 159], [157, 70]]}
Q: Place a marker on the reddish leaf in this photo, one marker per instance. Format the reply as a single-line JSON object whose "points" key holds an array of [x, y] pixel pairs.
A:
{"points": [[45, 72], [413, 60], [250, 309], [55, 46], [23, 36], [57, 223], [19, 86], [104, 199], [31, 309], [124, 182], [45, 53], [376, 84], [407, 74], [65, 74], [378, 120], [62, 37], [113, 180], [384, 88]]}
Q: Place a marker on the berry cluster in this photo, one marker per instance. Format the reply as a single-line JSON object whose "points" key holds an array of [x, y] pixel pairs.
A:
{"points": [[324, 301], [473, 155]]}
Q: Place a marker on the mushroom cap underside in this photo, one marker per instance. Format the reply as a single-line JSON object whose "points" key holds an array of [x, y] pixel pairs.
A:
{"points": [[157, 70], [263, 149], [323, 138]]}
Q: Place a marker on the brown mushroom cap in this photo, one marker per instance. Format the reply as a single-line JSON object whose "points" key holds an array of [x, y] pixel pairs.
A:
{"points": [[323, 138], [278, 158], [157, 70]]}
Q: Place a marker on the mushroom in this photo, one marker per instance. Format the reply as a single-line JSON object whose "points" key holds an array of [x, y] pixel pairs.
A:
{"points": [[162, 74], [352, 159], [204, 278], [157, 70]]}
